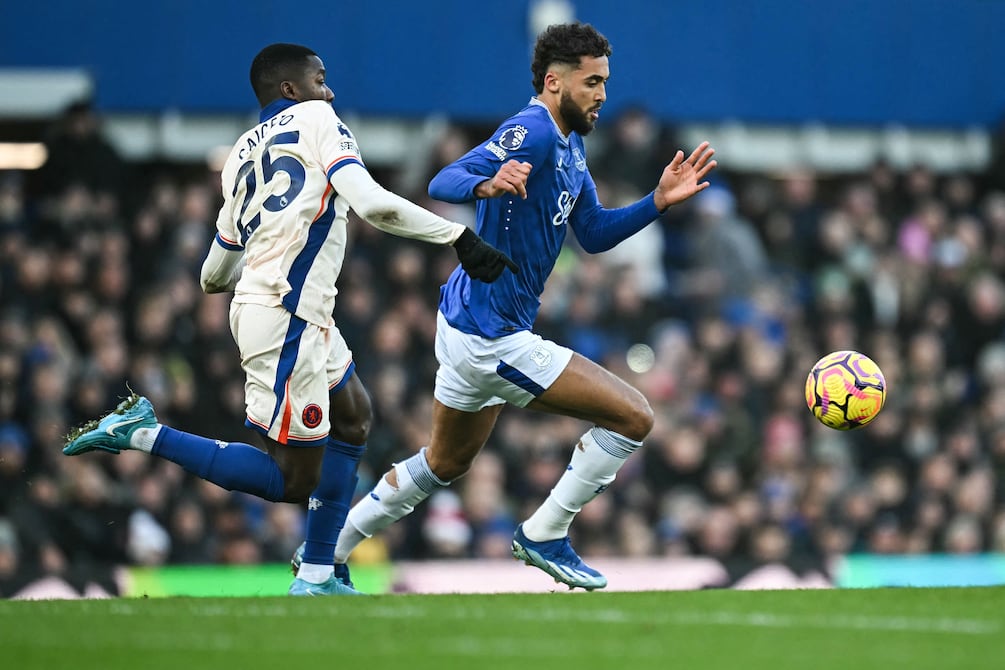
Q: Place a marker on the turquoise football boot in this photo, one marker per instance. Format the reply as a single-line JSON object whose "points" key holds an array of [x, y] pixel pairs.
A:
{"points": [[331, 587], [112, 432], [341, 569]]}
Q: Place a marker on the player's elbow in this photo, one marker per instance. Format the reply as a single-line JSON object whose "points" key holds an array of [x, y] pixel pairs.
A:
{"points": [[210, 287], [441, 188], [211, 284], [436, 188], [594, 246], [382, 217]]}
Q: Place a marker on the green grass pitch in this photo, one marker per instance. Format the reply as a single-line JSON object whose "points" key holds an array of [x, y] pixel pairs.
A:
{"points": [[885, 629]]}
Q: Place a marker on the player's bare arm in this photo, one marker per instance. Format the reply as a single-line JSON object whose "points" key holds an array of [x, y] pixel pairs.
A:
{"points": [[511, 178], [682, 178]]}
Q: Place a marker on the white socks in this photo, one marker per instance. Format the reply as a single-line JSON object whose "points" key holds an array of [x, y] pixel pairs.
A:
{"points": [[315, 574], [143, 439], [595, 463], [386, 504]]}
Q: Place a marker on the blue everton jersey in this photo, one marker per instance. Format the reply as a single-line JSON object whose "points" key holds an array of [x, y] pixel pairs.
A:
{"points": [[530, 231]]}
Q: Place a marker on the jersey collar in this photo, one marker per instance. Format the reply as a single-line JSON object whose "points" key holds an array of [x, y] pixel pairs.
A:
{"points": [[274, 108], [535, 101]]}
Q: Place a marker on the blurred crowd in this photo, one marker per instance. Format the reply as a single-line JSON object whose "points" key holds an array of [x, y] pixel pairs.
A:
{"points": [[716, 312]]}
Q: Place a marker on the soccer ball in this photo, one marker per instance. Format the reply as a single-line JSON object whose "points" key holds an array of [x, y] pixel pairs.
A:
{"points": [[845, 390]]}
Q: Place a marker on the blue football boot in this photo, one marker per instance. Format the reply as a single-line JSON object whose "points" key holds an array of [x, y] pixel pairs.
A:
{"points": [[558, 559]]}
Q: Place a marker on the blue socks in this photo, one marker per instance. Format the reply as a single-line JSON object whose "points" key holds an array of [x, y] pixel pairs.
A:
{"points": [[233, 465], [328, 506], [241, 467]]}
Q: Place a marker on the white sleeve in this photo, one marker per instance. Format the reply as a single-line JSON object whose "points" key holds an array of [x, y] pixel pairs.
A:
{"points": [[390, 212], [221, 269]]}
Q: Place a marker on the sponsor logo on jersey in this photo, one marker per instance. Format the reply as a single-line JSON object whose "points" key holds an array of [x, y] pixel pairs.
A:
{"points": [[312, 415], [512, 138], [499, 152], [566, 201]]}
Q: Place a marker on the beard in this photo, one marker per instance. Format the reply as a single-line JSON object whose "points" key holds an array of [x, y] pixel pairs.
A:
{"points": [[573, 116]]}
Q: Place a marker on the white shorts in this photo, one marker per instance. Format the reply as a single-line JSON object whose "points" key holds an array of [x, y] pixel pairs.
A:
{"points": [[476, 371], [290, 367]]}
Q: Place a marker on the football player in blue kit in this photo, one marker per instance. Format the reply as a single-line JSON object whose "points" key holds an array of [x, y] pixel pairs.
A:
{"points": [[532, 185], [288, 185]]}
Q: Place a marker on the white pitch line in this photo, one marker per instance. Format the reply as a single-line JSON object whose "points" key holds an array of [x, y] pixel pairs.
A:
{"points": [[756, 619], [771, 620], [840, 622]]}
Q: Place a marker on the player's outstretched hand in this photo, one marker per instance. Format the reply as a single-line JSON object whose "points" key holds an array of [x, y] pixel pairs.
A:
{"points": [[481, 260], [684, 177]]}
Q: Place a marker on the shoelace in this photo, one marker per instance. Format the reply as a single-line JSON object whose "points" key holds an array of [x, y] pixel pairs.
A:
{"points": [[567, 552]]}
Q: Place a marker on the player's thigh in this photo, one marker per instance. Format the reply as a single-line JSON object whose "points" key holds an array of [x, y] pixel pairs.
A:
{"points": [[588, 391], [300, 465], [457, 437], [351, 411]]}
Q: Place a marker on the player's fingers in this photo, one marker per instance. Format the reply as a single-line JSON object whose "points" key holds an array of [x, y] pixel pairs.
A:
{"points": [[706, 169], [516, 180], [518, 169], [693, 158], [513, 267], [521, 187], [678, 158], [493, 270], [705, 157], [502, 181]]}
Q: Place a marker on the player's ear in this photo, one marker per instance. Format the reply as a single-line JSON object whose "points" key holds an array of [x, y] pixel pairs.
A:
{"points": [[552, 82], [288, 90]]}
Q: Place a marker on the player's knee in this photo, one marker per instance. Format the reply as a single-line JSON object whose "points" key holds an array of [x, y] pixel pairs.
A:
{"points": [[640, 420], [299, 484], [452, 471], [449, 467], [352, 430], [351, 422]]}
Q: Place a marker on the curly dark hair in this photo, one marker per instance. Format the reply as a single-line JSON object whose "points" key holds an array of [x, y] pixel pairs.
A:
{"points": [[566, 43]]}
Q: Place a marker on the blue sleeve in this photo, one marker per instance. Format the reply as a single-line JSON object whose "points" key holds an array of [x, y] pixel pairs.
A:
{"points": [[523, 137], [457, 181], [599, 229]]}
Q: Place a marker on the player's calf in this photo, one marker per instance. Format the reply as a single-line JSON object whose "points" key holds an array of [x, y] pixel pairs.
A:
{"points": [[385, 504]]}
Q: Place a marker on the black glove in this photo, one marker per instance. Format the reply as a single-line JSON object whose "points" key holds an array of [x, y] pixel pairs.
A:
{"points": [[481, 260]]}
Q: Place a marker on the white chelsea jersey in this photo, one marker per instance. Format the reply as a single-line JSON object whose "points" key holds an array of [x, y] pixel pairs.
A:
{"points": [[281, 209], [288, 185]]}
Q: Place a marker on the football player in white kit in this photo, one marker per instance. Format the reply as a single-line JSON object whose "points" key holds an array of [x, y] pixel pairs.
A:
{"points": [[288, 184]]}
